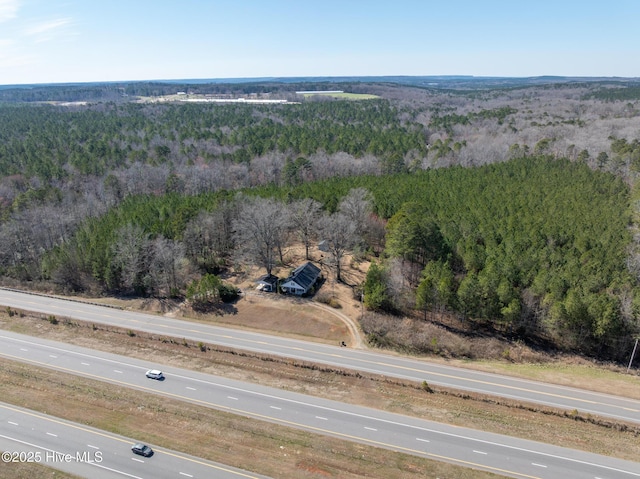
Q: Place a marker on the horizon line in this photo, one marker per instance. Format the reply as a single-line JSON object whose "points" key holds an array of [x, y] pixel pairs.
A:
{"points": [[317, 78]]}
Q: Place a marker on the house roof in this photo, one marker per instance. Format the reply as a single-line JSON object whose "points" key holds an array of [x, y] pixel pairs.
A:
{"points": [[305, 275], [267, 279]]}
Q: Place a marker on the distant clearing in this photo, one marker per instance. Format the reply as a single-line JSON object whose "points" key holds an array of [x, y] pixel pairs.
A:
{"points": [[343, 95]]}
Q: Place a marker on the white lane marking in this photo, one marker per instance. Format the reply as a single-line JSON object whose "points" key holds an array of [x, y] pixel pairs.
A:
{"points": [[53, 356], [185, 474], [116, 371], [190, 388], [370, 428], [92, 447], [276, 407], [136, 459], [322, 418], [480, 452], [23, 349], [538, 465], [69, 351], [604, 396], [231, 397], [57, 452], [85, 364], [114, 470], [422, 440], [363, 416], [14, 423], [52, 434]]}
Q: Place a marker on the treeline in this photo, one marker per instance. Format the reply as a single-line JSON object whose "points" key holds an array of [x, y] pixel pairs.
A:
{"points": [[447, 121], [45, 93], [54, 142], [120, 92], [621, 92], [532, 247]]}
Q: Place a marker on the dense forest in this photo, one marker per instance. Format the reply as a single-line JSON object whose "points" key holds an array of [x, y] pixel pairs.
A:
{"points": [[512, 208], [50, 143]]}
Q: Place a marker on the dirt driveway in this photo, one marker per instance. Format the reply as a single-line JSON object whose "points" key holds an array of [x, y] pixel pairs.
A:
{"points": [[284, 315]]}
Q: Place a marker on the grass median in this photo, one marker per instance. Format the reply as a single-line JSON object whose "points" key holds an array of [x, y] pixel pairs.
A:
{"points": [[257, 446]]}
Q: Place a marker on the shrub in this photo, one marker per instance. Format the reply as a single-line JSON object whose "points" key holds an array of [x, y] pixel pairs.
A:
{"points": [[228, 293], [329, 300], [426, 387]]}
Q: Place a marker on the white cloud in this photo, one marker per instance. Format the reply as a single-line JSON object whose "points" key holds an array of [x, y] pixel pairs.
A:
{"points": [[8, 9], [16, 61], [13, 61], [47, 27], [49, 30]]}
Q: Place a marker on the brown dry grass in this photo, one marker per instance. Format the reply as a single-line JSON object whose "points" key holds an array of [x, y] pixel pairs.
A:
{"points": [[293, 317], [32, 471]]}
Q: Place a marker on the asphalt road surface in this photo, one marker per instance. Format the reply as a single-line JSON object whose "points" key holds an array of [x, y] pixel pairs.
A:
{"points": [[376, 362], [470, 448], [28, 436]]}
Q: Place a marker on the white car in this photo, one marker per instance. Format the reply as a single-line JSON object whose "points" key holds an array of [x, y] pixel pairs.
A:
{"points": [[155, 374]]}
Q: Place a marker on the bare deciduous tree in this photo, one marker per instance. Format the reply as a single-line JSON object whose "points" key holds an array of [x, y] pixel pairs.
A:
{"points": [[68, 274], [357, 207], [340, 234], [168, 268], [131, 255], [208, 238], [259, 230], [304, 216]]}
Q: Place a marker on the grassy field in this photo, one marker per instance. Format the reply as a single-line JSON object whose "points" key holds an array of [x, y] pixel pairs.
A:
{"points": [[32, 471], [605, 378], [278, 451]]}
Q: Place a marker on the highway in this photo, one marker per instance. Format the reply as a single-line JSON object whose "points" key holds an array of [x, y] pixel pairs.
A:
{"points": [[375, 362], [28, 436], [500, 454]]}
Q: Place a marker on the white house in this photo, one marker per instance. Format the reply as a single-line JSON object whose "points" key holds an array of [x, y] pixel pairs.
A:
{"points": [[301, 280]]}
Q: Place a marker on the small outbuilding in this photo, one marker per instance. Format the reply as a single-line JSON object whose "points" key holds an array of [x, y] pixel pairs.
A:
{"points": [[267, 283], [302, 279]]}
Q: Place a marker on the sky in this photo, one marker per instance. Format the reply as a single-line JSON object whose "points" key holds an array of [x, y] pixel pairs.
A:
{"points": [[62, 41]]}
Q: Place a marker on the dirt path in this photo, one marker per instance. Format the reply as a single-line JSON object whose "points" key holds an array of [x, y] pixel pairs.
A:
{"points": [[277, 314], [353, 326]]}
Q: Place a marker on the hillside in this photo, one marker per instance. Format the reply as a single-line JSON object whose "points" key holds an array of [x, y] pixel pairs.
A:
{"points": [[534, 248], [112, 196]]}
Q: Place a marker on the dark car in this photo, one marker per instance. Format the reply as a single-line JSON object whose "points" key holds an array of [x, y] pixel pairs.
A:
{"points": [[142, 450]]}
